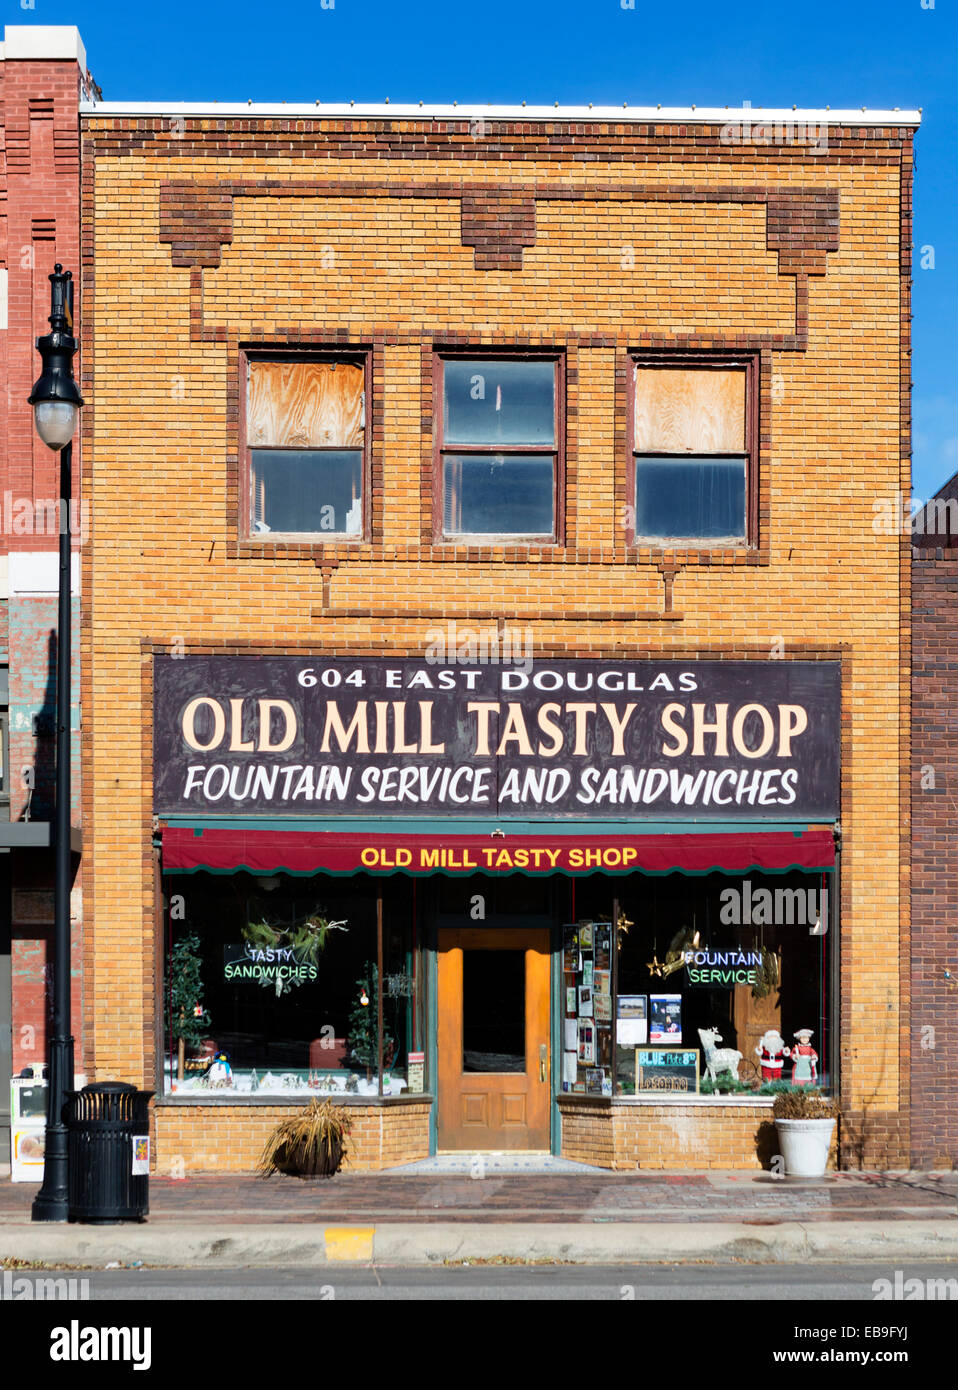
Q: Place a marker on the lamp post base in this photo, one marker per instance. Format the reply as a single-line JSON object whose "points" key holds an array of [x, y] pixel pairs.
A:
{"points": [[52, 1201]]}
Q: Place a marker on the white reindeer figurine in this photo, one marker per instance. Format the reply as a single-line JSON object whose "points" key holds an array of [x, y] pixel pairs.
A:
{"points": [[718, 1059]]}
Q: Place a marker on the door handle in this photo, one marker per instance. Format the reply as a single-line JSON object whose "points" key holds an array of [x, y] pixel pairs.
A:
{"points": [[543, 1060]]}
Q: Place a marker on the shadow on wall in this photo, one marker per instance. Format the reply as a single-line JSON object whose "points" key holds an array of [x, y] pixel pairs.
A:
{"points": [[40, 799]]}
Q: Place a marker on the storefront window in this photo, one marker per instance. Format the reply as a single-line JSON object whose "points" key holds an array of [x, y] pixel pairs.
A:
{"points": [[273, 987], [723, 984]]}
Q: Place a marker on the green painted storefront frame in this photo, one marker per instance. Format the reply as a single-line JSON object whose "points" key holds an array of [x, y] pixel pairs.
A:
{"points": [[429, 944]]}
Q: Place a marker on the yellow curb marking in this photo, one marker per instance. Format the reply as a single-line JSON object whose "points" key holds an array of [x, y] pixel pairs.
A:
{"points": [[349, 1242]]}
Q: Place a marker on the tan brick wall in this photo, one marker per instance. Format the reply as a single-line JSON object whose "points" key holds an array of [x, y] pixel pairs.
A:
{"points": [[230, 1138], [164, 564], [674, 1136]]}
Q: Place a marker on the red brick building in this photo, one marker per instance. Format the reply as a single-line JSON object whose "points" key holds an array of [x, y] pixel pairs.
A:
{"points": [[42, 80]]}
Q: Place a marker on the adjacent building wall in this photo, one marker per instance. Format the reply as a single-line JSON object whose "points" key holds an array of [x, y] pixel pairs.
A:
{"points": [[42, 73], [934, 896]]}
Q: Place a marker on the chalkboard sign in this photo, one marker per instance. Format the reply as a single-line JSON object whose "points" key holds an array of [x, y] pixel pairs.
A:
{"points": [[667, 1069]]}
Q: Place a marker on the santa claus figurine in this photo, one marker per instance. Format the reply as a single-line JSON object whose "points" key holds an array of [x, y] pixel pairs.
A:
{"points": [[804, 1060], [772, 1052]]}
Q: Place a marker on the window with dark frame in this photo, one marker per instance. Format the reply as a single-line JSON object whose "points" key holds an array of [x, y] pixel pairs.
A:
{"points": [[499, 447], [691, 451], [305, 443]]}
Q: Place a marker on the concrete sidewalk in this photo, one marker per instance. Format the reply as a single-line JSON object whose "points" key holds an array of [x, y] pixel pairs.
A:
{"points": [[597, 1217]]}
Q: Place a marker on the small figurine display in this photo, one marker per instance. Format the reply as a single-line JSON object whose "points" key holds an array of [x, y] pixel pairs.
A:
{"points": [[804, 1059], [718, 1059], [220, 1072], [772, 1052]]}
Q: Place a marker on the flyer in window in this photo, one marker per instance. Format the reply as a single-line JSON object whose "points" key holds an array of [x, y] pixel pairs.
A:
{"points": [[571, 960], [632, 1028], [585, 1001], [587, 973], [602, 981], [587, 1041], [570, 1064], [602, 1007], [602, 937], [570, 999], [665, 1018], [585, 936]]}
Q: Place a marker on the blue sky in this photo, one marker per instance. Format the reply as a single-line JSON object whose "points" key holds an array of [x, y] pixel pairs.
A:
{"points": [[880, 53]]}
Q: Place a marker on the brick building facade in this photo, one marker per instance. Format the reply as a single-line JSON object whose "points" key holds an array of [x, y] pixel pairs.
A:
{"points": [[671, 314], [934, 963], [42, 79]]}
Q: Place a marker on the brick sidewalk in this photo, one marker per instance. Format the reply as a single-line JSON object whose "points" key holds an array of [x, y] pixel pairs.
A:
{"points": [[755, 1198]]}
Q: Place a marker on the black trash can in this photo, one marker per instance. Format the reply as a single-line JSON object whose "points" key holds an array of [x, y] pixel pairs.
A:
{"points": [[108, 1131]]}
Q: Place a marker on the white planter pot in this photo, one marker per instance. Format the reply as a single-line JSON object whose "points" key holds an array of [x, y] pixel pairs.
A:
{"points": [[804, 1145]]}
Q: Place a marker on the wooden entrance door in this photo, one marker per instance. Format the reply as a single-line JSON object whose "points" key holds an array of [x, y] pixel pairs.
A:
{"points": [[493, 1043]]}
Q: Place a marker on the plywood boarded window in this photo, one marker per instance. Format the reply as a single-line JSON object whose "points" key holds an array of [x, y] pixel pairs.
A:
{"points": [[691, 451], [305, 434]]}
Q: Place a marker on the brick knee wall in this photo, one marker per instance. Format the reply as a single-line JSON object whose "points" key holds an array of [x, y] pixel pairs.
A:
{"points": [[230, 1138], [587, 1133], [679, 1136]]}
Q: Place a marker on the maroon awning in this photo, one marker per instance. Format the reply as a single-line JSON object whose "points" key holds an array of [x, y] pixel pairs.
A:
{"points": [[264, 851]]}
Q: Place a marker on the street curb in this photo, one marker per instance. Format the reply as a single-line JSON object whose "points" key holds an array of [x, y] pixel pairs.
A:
{"points": [[273, 1245]]}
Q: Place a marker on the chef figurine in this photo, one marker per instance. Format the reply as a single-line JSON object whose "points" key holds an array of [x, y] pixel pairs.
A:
{"points": [[804, 1059], [772, 1051]]}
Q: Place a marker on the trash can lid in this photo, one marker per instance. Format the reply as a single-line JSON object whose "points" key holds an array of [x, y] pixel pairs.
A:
{"points": [[109, 1087]]}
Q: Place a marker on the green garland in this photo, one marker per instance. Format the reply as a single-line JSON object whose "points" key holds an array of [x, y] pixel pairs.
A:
{"points": [[306, 939]]}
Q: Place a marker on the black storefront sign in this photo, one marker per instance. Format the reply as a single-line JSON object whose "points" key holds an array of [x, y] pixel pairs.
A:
{"points": [[583, 740]]}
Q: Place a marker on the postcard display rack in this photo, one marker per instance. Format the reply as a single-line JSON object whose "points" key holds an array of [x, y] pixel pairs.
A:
{"points": [[586, 1000]]}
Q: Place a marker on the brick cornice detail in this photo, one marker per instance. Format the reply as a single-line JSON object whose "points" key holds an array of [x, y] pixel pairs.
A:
{"points": [[498, 221]]}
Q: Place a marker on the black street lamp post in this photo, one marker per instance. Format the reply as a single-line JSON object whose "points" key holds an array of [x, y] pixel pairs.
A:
{"points": [[56, 403]]}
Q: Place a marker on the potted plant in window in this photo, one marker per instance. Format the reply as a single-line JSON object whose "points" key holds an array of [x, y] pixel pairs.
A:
{"points": [[311, 1144], [189, 1019], [805, 1120], [363, 1035]]}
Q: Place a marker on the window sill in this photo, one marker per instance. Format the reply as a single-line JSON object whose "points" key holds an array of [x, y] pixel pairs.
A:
{"points": [[280, 1101], [306, 540], [666, 1098]]}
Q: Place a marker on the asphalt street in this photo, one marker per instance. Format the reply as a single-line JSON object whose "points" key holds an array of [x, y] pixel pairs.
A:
{"points": [[492, 1282]]}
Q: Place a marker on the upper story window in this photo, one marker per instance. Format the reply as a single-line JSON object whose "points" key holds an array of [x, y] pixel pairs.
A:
{"points": [[305, 441], [691, 452], [499, 452]]}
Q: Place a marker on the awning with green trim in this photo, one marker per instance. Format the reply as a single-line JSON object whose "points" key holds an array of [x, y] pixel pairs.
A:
{"points": [[269, 851]]}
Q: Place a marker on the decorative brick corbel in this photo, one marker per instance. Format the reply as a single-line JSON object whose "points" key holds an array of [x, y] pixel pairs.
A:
{"points": [[802, 226], [498, 224], [197, 221], [327, 568]]}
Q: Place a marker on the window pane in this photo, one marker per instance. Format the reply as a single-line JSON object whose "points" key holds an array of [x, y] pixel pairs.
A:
{"points": [[498, 495], [688, 498], [305, 405], [785, 989], [681, 410], [499, 402], [306, 491], [494, 1011]]}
